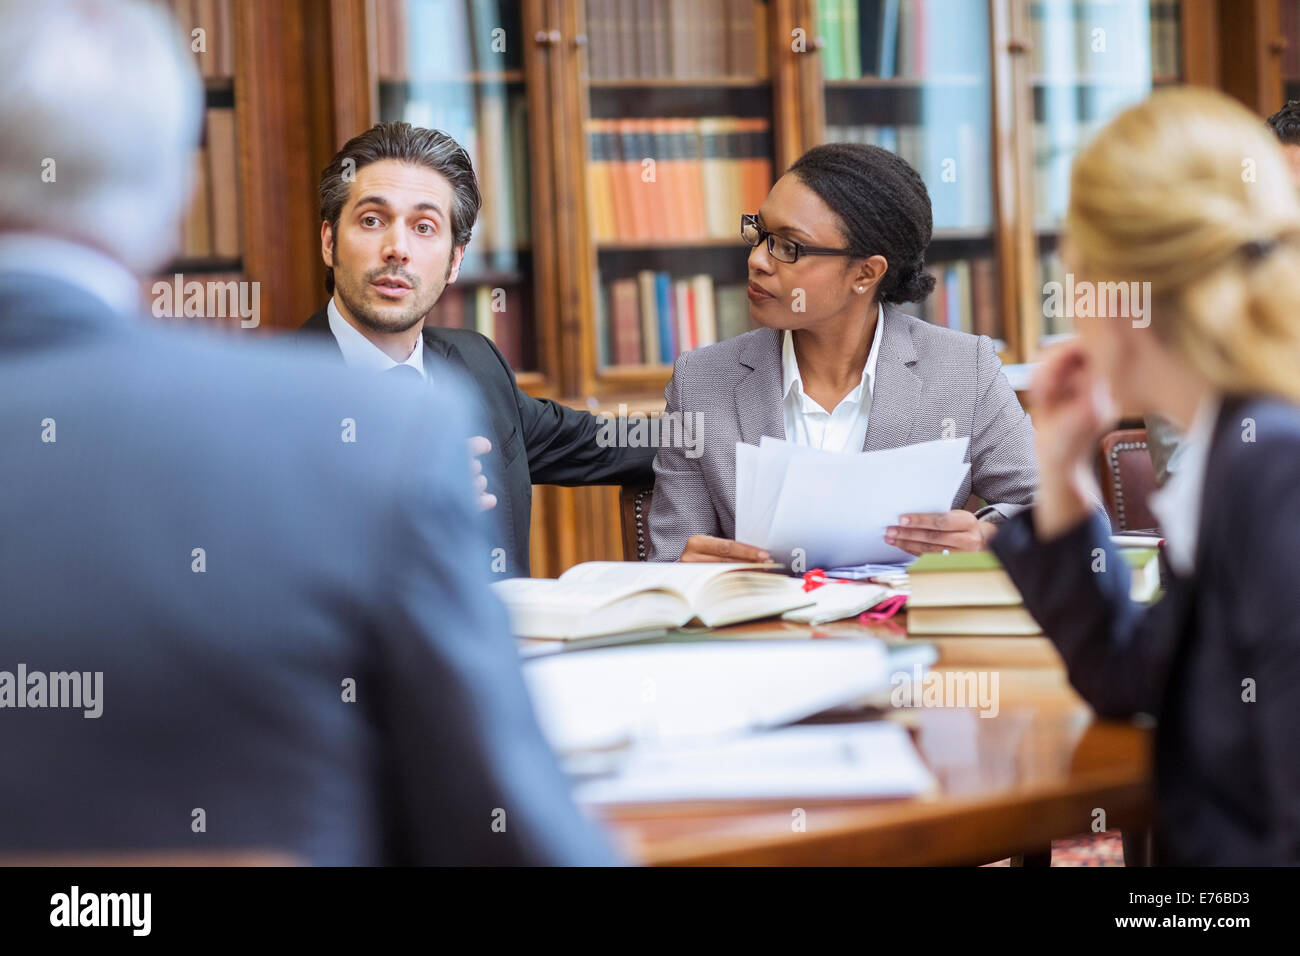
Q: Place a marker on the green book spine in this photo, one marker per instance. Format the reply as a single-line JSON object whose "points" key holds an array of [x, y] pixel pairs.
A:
{"points": [[852, 52], [830, 28]]}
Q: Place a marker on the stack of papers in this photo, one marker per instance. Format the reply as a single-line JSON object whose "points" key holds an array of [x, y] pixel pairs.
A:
{"points": [[614, 697], [810, 508], [827, 761]]}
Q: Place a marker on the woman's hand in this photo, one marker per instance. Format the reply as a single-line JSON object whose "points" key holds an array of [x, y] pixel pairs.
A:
{"points": [[702, 547], [1072, 410], [949, 531]]}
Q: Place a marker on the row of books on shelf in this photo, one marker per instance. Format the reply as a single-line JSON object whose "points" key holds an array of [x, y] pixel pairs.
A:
{"points": [[447, 39], [653, 317], [676, 178], [215, 53], [903, 38], [1112, 39], [211, 227], [499, 313], [682, 39], [954, 161], [964, 297], [492, 125]]}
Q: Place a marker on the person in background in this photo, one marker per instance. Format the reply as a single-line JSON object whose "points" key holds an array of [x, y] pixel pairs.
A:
{"points": [[1158, 197], [243, 636], [398, 205], [1162, 437], [837, 248]]}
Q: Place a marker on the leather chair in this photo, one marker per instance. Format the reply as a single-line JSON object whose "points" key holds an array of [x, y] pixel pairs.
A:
{"points": [[1127, 479], [634, 518]]}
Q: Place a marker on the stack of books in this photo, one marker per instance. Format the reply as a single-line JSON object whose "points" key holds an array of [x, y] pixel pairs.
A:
{"points": [[971, 594]]}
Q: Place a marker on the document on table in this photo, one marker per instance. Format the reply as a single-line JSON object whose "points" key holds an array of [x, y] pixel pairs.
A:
{"points": [[874, 759], [814, 508], [613, 697]]}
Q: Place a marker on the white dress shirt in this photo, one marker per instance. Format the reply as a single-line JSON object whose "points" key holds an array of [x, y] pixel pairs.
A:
{"points": [[807, 423], [88, 269], [359, 352], [1177, 506]]}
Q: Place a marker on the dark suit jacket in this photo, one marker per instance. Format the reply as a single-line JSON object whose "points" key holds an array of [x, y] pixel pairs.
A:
{"points": [[1227, 770], [325, 562], [535, 441]]}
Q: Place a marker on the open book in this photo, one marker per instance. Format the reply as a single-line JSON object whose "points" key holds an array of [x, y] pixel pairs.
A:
{"points": [[612, 597]]}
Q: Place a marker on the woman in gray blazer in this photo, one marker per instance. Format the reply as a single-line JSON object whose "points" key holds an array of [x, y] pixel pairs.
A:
{"points": [[838, 245]]}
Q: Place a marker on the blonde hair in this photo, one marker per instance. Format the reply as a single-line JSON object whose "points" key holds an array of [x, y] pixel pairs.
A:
{"points": [[1190, 192]]}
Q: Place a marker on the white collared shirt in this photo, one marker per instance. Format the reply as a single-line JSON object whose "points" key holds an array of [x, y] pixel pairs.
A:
{"points": [[807, 423], [1177, 506], [359, 352], [89, 269]]}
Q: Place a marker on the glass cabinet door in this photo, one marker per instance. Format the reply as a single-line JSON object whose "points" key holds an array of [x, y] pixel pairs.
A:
{"points": [[458, 66], [679, 143], [914, 77], [1088, 60]]}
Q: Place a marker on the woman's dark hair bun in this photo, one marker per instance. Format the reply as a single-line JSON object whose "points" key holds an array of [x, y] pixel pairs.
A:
{"points": [[913, 287], [883, 206]]}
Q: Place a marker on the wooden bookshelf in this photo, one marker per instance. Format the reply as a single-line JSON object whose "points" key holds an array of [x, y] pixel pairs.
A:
{"points": [[303, 76]]}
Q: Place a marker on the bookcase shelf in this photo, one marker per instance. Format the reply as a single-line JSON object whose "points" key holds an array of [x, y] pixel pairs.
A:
{"points": [[624, 245], [901, 82], [669, 82], [300, 77], [473, 78]]}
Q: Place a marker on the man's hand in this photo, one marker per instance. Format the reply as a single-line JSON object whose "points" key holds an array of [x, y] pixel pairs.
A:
{"points": [[701, 547], [478, 445], [949, 531]]}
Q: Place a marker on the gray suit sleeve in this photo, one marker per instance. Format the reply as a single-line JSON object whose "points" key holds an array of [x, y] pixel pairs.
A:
{"points": [[681, 506], [1002, 442], [470, 776]]}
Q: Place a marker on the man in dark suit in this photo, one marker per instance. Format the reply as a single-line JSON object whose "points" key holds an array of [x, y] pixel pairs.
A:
{"points": [[398, 204], [240, 611]]}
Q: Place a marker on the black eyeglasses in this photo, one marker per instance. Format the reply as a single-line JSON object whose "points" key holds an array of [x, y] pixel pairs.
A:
{"points": [[780, 248]]}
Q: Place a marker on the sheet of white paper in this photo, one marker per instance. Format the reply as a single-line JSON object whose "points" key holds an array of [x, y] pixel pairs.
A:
{"points": [[773, 458], [850, 761], [610, 697], [832, 511], [746, 477]]}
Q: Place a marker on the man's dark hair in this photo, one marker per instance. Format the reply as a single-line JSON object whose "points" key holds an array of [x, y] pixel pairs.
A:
{"points": [[883, 206], [1285, 123], [405, 143]]}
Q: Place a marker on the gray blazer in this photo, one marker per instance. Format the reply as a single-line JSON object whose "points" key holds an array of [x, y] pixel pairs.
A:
{"points": [[335, 681], [925, 376]]}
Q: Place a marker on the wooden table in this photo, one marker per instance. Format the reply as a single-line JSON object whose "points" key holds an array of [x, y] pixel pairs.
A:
{"points": [[1041, 769]]}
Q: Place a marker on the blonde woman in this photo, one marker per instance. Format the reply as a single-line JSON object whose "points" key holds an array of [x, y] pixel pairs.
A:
{"points": [[1188, 192]]}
